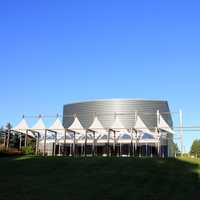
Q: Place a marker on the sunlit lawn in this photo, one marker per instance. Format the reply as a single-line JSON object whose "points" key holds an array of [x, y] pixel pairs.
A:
{"points": [[98, 178]]}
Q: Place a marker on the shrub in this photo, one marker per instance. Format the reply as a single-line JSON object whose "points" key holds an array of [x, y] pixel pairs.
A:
{"points": [[27, 150]]}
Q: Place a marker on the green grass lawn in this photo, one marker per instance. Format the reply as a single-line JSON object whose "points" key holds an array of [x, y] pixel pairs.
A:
{"points": [[98, 178]]}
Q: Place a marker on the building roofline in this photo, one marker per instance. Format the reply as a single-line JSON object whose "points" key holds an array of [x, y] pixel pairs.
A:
{"points": [[115, 99]]}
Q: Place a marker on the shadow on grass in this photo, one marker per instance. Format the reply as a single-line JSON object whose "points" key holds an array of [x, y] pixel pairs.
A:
{"points": [[98, 178]]}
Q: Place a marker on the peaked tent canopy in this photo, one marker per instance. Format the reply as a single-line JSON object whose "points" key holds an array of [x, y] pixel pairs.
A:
{"points": [[22, 127], [140, 125], [163, 125], [39, 126], [117, 125], [76, 126], [57, 125], [97, 126]]}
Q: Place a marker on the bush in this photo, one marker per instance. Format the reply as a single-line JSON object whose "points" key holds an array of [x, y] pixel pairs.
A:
{"points": [[28, 150]]}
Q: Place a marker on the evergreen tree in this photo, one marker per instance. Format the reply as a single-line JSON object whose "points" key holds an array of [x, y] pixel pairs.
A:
{"points": [[195, 149], [8, 126]]}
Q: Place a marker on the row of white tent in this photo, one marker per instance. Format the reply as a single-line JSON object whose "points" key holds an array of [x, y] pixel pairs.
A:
{"points": [[139, 131]]}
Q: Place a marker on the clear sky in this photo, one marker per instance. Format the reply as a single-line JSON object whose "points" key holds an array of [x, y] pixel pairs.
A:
{"points": [[55, 52]]}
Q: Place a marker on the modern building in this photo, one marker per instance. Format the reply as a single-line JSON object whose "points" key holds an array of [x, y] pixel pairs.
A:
{"points": [[110, 127]]}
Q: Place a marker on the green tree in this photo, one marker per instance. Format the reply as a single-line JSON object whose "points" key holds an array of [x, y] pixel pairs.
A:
{"points": [[195, 148], [8, 126], [176, 149]]}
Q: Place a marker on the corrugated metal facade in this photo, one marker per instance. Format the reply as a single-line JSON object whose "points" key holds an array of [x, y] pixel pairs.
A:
{"points": [[125, 109]]}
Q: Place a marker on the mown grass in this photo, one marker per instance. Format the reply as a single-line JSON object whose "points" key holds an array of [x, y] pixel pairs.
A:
{"points": [[98, 178]]}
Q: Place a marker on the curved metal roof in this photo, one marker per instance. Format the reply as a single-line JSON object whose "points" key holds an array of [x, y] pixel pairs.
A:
{"points": [[107, 109]]}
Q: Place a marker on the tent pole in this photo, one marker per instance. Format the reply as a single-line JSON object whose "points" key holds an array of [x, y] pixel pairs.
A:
{"points": [[37, 144], [93, 147], [85, 143], [45, 138], [82, 153], [108, 143], [59, 146], [114, 144], [74, 143], [20, 141], [70, 149], [131, 147], [146, 150], [120, 149], [55, 142], [140, 150], [26, 137], [136, 143], [64, 148], [4, 142], [8, 139]]}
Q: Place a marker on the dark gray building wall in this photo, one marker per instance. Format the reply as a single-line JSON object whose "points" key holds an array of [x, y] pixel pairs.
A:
{"points": [[125, 109]]}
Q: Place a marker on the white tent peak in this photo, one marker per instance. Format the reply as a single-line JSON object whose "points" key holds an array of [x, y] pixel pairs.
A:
{"points": [[117, 125], [140, 125], [96, 125], [76, 126], [57, 125], [39, 125], [163, 125], [22, 126]]}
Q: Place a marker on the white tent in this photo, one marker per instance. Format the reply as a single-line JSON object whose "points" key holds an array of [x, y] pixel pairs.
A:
{"points": [[100, 131], [117, 125], [97, 126], [76, 126], [39, 127], [145, 135], [22, 127], [58, 127], [120, 129], [163, 125], [140, 125]]}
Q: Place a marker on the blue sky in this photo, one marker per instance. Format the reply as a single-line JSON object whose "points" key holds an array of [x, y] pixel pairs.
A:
{"points": [[55, 52]]}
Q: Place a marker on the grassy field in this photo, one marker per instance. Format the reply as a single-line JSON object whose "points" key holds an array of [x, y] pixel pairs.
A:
{"points": [[98, 178]]}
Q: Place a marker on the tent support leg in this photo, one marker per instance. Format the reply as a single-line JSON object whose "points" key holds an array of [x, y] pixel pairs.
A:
{"points": [[20, 141], [45, 141], [64, 147], [93, 146], [8, 140], [26, 138], [74, 144]]}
